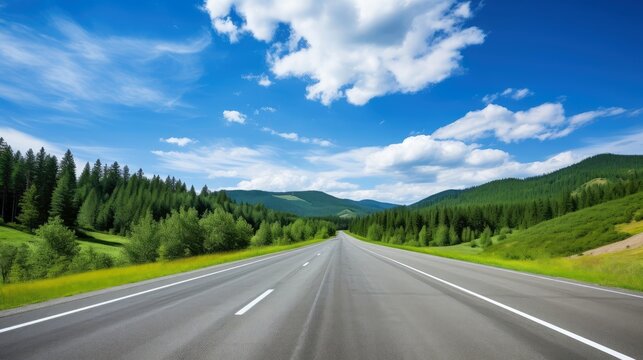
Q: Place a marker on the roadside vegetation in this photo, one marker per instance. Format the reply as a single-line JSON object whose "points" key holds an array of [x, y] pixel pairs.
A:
{"points": [[53, 223], [23, 293]]}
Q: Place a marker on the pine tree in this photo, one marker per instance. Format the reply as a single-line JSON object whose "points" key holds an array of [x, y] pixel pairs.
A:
{"points": [[89, 210], [29, 215], [63, 201]]}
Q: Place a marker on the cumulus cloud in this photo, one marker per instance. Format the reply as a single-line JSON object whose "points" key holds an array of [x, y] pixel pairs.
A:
{"points": [[354, 49], [516, 94], [292, 136], [182, 141], [546, 121], [68, 67], [234, 116]]}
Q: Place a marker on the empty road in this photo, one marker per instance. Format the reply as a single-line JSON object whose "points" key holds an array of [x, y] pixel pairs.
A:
{"points": [[340, 299]]}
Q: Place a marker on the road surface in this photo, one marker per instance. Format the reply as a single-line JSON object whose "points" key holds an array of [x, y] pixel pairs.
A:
{"points": [[340, 299]]}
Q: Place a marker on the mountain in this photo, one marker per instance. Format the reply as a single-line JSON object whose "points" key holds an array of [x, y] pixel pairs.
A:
{"points": [[308, 203], [596, 171]]}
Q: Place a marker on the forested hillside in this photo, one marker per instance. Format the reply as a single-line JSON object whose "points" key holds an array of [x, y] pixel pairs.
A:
{"points": [[560, 183], [499, 207], [163, 218], [309, 203]]}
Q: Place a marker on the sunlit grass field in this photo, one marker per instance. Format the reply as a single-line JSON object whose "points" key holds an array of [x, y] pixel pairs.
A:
{"points": [[101, 242], [13, 295], [622, 269]]}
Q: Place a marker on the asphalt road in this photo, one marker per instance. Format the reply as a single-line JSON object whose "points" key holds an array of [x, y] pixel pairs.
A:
{"points": [[341, 299]]}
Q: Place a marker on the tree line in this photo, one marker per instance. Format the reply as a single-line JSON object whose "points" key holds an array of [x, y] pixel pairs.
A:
{"points": [[450, 224], [163, 218]]}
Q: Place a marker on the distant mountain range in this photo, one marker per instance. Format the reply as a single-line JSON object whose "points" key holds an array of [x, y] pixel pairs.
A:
{"points": [[596, 170], [308, 203]]}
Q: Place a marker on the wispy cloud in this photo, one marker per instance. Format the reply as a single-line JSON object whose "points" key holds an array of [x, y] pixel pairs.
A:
{"points": [[262, 79], [516, 94], [68, 68], [292, 136], [179, 141]]}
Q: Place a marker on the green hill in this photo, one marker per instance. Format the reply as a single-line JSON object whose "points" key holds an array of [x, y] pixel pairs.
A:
{"points": [[308, 203], [599, 170], [572, 233]]}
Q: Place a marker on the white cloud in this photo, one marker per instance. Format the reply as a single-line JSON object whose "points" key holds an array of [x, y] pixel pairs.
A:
{"points": [[516, 94], [292, 136], [69, 68], [226, 26], [234, 116], [262, 80], [355, 49], [546, 121], [182, 141]]}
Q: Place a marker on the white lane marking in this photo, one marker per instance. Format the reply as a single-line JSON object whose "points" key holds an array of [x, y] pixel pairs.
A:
{"points": [[254, 302], [33, 322], [544, 323], [306, 264]]}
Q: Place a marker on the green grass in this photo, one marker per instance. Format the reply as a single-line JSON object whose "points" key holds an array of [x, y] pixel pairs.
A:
{"points": [[632, 228], [109, 239], [622, 269], [100, 242], [572, 233], [15, 237], [289, 198], [14, 295]]}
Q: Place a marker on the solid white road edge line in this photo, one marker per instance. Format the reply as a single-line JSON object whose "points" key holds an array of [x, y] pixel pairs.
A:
{"points": [[33, 322], [306, 264], [544, 323], [254, 302]]}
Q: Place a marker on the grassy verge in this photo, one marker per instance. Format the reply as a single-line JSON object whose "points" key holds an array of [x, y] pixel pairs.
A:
{"points": [[14, 295], [623, 269]]}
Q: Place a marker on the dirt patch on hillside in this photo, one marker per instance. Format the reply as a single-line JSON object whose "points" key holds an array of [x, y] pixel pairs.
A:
{"points": [[627, 244]]}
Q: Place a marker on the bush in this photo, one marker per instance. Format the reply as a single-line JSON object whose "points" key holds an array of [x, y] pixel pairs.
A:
{"points": [[144, 241], [88, 259], [223, 233], [180, 235], [58, 238], [7, 256]]}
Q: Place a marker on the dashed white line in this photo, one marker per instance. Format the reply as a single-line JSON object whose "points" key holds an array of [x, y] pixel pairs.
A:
{"points": [[544, 323], [306, 264], [254, 302]]}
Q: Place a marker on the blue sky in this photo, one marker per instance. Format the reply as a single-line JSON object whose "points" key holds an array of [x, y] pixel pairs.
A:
{"points": [[393, 102]]}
